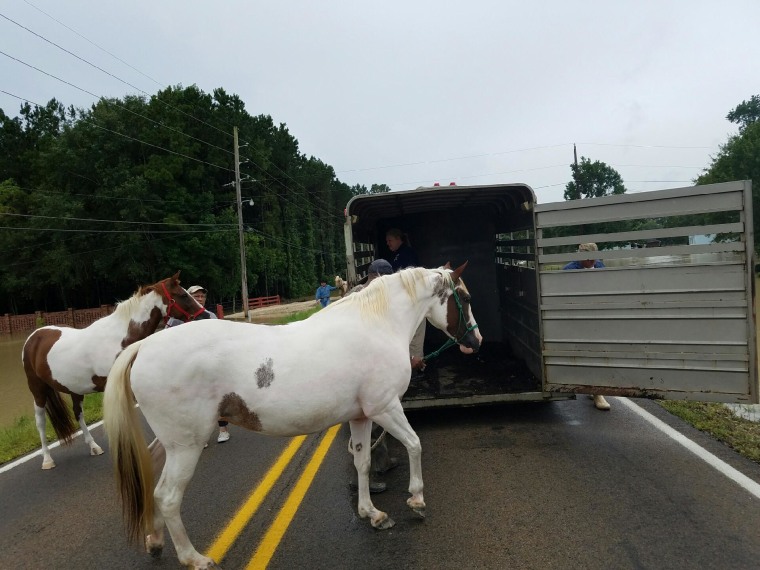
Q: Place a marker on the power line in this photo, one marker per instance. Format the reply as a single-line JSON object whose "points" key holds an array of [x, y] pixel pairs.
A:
{"points": [[110, 102], [93, 43], [418, 163], [648, 146], [512, 151], [109, 73], [298, 184], [96, 125], [138, 114], [38, 216], [98, 196], [91, 231]]}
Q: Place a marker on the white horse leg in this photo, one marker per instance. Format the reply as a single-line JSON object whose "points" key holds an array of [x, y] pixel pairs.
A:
{"points": [[361, 439], [95, 449], [179, 469], [396, 424], [154, 542], [39, 420]]}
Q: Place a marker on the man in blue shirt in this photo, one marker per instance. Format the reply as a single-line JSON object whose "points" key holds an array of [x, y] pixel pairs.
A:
{"points": [[599, 401], [323, 293]]}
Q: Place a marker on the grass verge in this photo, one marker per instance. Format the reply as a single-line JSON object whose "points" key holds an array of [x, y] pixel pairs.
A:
{"points": [[299, 316], [742, 435], [22, 436]]}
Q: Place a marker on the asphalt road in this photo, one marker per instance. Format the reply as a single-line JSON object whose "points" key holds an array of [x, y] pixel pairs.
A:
{"points": [[555, 485]]}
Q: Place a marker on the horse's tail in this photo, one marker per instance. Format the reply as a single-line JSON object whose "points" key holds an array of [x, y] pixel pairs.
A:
{"points": [[131, 459], [61, 417]]}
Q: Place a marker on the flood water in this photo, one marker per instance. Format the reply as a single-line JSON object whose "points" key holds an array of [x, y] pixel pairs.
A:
{"points": [[17, 400]]}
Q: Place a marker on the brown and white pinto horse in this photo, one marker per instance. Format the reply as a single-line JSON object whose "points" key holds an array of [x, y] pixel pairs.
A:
{"points": [[77, 361], [281, 381]]}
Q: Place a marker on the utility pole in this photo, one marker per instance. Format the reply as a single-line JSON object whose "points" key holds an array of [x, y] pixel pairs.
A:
{"points": [[575, 156], [243, 270]]}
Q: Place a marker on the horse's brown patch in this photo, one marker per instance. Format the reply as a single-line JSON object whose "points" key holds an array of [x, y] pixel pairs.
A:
{"points": [[453, 314], [99, 382], [233, 409], [138, 331], [441, 290], [44, 388], [265, 374], [358, 447], [38, 373]]}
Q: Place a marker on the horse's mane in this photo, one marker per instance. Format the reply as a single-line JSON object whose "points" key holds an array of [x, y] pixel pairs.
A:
{"points": [[125, 309], [373, 299]]}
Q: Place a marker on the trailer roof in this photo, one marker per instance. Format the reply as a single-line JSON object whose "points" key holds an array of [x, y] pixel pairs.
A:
{"points": [[500, 198]]}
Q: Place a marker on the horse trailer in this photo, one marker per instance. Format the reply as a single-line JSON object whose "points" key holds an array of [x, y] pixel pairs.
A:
{"points": [[671, 315]]}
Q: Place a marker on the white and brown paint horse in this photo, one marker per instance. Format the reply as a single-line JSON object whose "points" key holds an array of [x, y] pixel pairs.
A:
{"points": [[341, 285], [347, 363], [77, 361]]}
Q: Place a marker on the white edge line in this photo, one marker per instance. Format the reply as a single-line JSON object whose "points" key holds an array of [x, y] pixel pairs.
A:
{"points": [[34, 454], [718, 464]]}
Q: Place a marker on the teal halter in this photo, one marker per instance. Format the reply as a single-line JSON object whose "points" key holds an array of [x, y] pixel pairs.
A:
{"points": [[452, 341]]}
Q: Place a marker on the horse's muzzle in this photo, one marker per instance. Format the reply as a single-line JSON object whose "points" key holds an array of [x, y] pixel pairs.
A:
{"points": [[470, 342], [203, 315]]}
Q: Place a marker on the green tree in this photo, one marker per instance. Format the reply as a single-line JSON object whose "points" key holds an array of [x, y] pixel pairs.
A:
{"points": [[745, 113], [379, 189], [592, 180], [99, 200], [739, 157]]}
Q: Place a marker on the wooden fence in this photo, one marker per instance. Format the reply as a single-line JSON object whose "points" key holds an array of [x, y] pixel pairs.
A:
{"points": [[81, 318], [258, 302], [77, 318]]}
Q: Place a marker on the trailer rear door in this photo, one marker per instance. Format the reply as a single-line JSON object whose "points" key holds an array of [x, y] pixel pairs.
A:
{"points": [[672, 313]]}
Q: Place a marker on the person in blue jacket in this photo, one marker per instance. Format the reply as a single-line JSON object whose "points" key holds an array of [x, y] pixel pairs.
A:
{"points": [[402, 255], [323, 293], [599, 401]]}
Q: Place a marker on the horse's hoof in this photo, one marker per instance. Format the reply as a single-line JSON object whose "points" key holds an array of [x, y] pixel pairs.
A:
{"points": [[210, 565], [417, 507], [383, 523], [155, 550], [49, 464], [95, 449]]}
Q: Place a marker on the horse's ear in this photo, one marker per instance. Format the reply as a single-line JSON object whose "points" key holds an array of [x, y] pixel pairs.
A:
{"points": [[175, 277], [458, 272], [448, 265]]}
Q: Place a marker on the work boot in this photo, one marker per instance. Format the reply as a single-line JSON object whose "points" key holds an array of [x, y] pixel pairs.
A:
{"points": [[601, 403], [385, 466]]}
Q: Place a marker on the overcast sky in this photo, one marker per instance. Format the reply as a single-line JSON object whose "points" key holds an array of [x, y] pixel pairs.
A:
{"points": [[414, 92]]}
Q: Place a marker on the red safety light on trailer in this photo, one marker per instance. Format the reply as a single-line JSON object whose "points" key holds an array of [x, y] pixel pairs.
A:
{"points": [[452, 183], [436, 184]]}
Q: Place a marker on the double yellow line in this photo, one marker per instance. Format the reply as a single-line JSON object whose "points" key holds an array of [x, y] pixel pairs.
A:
{"points": [[276, 531]]}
